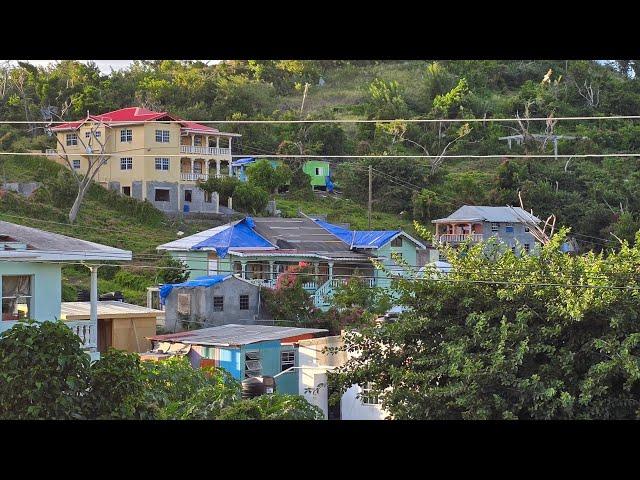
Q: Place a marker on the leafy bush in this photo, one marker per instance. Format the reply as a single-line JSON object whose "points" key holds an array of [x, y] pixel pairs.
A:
{"points": [[249, 198], [272, 407]]}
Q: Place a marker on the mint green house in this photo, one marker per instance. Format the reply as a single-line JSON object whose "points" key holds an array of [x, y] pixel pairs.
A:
{"points": [[31, 275], [318, 170], [259, 249]]}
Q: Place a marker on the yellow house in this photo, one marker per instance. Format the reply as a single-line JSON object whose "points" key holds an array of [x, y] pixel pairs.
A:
{"points": [[151, 156]]}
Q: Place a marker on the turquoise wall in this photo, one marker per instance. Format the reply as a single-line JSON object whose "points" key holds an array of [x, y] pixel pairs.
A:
{"points": [[198, 263], [409, 251], [46, 288], [230, 361], [288, 382]]}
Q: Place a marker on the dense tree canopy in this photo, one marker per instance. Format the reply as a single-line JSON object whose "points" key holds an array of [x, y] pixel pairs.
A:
{"points": [[552, 336]]}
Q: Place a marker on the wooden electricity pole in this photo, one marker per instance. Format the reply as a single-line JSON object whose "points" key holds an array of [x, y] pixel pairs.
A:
{"points": [[370, 195]]}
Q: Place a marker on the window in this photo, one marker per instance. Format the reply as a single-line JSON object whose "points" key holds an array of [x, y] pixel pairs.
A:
{"points": [[513, 249], [184, 303], [126, 135], [526, 229], [197, 141], [396, 242], [252, 364], [162, 195], [441, 257], [97, 134], [397, 256], [218, 304], [197, 167], [495, 227], [187, 195], [87, 134], [126, 191], [244, 302], [508, 228], [16, 297], [237, 268], [76, 164], [72, 139], [366, 396], [527, 247], [126, 163], [162, 164], [207, 197], [287, 360], [162, 136], [318, 171]]}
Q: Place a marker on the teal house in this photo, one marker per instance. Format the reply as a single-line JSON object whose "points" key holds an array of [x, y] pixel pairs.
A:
{"points": [[259, 249], [318, 170], [244, 351], [31, 275]]}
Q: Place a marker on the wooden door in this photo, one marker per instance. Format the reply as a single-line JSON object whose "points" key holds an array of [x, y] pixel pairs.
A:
{"points": [[105, 336]]}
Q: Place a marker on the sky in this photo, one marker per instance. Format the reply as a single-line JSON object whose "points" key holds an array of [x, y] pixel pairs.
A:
{"points": [[105, 66]]}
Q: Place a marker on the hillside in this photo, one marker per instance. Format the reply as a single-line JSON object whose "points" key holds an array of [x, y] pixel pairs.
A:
{"points": [[126, 223], [593, 196]]}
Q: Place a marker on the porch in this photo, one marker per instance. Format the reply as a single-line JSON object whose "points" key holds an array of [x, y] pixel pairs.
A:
{"points": [[458, 232], [208, 145], [194, 169]]}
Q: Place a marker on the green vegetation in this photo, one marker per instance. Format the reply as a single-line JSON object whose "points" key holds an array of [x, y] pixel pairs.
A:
{"points": [[63, 384], [551, 337]]}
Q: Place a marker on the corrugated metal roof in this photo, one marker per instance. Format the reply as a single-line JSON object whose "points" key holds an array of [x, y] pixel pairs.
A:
{"points": [[53, 246], [106, 309], [234, 334], [298, 233], [476, 213]]}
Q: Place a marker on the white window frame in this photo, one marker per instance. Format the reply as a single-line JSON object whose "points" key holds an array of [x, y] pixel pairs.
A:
{"points": [[72, 139], [162, 136], [76, 164], [127, 163], [126, 135], [287, 359], [29, 298], [365, 395], [254, 357], [495, 227], [161, 162]]}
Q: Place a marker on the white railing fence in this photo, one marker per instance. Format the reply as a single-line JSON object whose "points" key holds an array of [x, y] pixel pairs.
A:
{"points": [[86, 331], [460, 237], [199, 150]]}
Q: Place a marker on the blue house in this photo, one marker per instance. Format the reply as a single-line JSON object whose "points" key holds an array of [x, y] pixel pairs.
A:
{"points": [[242, 350]]}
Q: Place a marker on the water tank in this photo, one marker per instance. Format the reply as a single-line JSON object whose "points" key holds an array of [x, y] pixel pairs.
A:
{"points": [[252, 387]]}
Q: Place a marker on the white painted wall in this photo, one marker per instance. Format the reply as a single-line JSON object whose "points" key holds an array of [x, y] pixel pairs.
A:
{"points": [[352, 408]]}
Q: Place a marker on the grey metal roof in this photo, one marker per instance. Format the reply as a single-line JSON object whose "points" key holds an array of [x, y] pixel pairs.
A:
{"points": [[298, 233], [234, 334], [53, 246], [474, 213]]}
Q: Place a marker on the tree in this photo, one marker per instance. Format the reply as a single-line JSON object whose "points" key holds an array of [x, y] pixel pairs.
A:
{"points": [[263, 175], [551, 336], [172, 270], [250, 199], [97, 157], [272, 407], [355, 293], [43, 372], [289, 301], [225, 186]]}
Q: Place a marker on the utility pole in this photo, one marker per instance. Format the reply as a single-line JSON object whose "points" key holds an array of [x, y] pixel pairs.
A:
{"points": [[304, 97], [370, 194]]}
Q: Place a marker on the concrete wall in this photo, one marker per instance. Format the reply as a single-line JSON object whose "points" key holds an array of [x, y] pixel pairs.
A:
{"points": [[511, 239], [46, 288], [312, 379], [202, 312]]}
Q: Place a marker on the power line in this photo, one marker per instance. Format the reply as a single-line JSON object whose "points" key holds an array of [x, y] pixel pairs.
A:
{"points": [[344, 120]]}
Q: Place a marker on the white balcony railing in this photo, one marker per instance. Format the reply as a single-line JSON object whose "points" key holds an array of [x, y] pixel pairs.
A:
{"points": [[193, 177], [204, 150], [460, 237], [49, 152], [262, 282], [86, 331]]}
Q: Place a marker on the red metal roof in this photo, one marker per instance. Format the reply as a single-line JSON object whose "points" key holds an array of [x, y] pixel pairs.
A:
{"points": [[136, 115]]}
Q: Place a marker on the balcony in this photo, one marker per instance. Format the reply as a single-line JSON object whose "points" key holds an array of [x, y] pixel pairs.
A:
{"points": [[194, 177], [460, 237], [212, 151], [86, 331]]}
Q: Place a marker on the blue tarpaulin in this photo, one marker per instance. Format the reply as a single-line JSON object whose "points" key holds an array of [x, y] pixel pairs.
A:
{"points": [[360, 238], [210, 281], [243, 161], [240, 235], [329, 184]]}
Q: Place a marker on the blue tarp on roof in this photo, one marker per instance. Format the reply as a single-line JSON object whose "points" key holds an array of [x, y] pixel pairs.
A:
{"points": [[243, 161], [360, 238], [210, 281], [240, 235]]}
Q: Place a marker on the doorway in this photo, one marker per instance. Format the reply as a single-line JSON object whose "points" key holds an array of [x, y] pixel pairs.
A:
{"points": [[212, 263], [105, 340]]}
